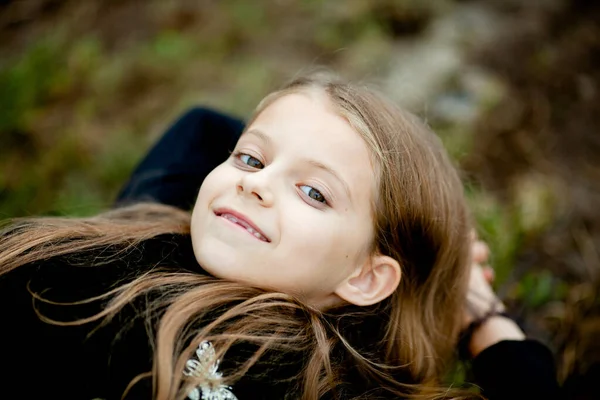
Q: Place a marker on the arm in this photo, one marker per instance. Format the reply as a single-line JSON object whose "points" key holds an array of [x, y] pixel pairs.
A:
{"points": [[173, 170], [506, 365]]}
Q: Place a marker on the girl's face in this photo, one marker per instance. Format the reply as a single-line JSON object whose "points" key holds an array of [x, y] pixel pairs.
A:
{"points": [[290, 210]]}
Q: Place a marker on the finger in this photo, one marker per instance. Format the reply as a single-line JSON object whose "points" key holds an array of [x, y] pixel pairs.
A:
{"points": [[489, 274], [480, 252], [473, 235]]}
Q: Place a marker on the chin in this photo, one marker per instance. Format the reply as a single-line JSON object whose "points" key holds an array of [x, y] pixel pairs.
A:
{"points": [[216, 260], [227, 268]]}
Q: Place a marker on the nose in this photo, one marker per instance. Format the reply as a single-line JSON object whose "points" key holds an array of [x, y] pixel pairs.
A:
{"points": [[256, 186]]}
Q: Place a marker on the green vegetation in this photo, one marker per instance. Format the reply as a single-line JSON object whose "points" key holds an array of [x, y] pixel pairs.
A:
{"points": [[79, 107]]}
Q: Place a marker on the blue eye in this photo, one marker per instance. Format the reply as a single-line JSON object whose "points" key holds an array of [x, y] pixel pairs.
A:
{"points": [[250, 161], [313, 193]]}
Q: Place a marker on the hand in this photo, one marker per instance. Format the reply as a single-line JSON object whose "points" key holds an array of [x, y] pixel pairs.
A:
{"points": [[481, 299], [480, 296]]}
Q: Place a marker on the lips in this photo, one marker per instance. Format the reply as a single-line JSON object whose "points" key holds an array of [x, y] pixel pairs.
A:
{"points": [[243, 221]]}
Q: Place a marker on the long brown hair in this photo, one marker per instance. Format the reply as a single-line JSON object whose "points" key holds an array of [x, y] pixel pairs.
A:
{"points": [[402, 345]]}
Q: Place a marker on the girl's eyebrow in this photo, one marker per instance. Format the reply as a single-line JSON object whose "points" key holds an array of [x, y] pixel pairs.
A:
{"points": [[265, 138], [331, 171], [260, 135]]}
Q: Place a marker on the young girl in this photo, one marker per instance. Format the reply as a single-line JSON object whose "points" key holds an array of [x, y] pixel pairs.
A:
{"points": [[327, 257]]}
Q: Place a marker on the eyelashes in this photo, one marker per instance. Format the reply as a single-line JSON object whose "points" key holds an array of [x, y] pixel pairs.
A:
{"points": [[250, 161], [313, 193]]}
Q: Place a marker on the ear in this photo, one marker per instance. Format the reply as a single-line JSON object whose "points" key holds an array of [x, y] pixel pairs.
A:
{"points": [[372, 282]]}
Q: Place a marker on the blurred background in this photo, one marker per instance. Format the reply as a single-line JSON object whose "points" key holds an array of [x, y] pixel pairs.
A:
{"points": [[511, 86]]}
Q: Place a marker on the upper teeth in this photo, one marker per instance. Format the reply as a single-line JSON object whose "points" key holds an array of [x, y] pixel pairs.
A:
{"points": [[245, 225]]}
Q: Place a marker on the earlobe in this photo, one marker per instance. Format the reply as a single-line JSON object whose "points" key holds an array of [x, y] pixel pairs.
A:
{"points": [[372, 283]]}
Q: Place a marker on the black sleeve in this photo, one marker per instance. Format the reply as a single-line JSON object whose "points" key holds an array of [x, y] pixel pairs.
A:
{"points": [[513, 369], [173, 170], [82, 361]]}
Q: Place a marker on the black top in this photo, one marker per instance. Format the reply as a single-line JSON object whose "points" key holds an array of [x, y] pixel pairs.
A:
{"points": [[92, 361], [99, 360]]}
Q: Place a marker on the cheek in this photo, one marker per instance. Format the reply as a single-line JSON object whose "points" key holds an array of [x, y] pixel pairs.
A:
{"points": [[321, 240], [200, 213], [218, 181], [213, 182]]}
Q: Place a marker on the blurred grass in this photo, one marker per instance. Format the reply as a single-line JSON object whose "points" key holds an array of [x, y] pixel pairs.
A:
{"points": [[78, 109]]}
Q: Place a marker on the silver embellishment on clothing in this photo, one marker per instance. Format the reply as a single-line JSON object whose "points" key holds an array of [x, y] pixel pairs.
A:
{"points": [[206, 365]]}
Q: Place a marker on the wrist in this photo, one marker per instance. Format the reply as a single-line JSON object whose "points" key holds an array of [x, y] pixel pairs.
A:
{"points": [[493, 330]]}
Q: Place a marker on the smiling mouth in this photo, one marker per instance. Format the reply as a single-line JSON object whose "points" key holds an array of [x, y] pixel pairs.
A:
{"points": [[245, 225]]}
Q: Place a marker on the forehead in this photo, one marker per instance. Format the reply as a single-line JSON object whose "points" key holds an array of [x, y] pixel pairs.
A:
{"points": [[309, 119]]}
